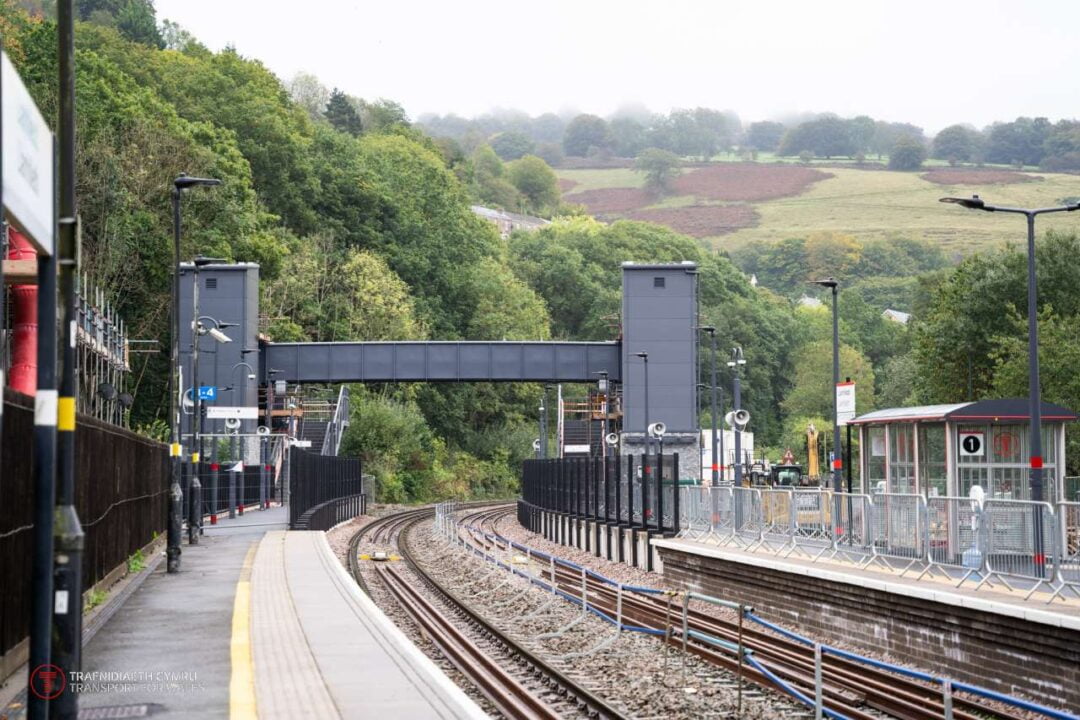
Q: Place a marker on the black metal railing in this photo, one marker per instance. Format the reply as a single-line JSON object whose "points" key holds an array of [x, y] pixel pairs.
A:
{"points": [[121, 494], [323, 490], [626, 491]]}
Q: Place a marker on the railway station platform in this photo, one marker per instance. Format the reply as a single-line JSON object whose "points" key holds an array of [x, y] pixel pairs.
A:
{"points": [[982, 636], [260, 622], [321, 648]]}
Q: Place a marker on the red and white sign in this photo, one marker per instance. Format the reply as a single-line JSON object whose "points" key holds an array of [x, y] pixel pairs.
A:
{"points": [[845, 402]]}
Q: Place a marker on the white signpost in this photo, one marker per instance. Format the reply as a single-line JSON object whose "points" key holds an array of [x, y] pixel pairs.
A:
{"points": [[28, 164], [845, 402], [219, 412]]}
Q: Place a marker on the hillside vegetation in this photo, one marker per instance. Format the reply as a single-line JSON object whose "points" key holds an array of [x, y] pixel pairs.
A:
{"points": [[362, 227]]}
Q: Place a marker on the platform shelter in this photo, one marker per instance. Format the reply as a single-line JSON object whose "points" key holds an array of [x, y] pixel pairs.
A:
{"points": [[938, 450]]}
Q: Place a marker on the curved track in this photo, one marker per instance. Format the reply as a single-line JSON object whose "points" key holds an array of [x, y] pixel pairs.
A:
{"points": [[852, 689], [518, 682]]}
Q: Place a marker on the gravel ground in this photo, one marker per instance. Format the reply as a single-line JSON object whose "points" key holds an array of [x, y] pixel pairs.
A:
{"points": [[636, 673], [509, 527]]}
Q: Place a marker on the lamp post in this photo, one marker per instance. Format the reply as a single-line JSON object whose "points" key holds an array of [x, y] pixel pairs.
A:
{"points": [[543, 450], [68, 535], [197, 331], [712, 381], [837, 463], [736, 362], [645, 359], [176, 497], [1034, 399], [603, 387], [232, 476]]}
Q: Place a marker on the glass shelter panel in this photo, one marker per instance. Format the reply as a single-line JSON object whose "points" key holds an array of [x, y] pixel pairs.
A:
{"points": [[932, 470], [902, 458], [995, 457], [875, 458]]}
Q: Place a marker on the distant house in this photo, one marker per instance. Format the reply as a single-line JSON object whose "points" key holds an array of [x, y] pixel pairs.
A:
{"points": [[897, 316], [811, 302], [507, 222]]}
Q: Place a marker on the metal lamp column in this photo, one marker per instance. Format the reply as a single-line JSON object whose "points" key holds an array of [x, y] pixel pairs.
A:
{"points": [[1034, 396], [176, 498]]}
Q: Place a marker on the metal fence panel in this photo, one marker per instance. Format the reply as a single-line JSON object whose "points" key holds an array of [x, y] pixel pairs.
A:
{"points": [[1019, 538], [896, 525], [1068, 556], [952, 528]]}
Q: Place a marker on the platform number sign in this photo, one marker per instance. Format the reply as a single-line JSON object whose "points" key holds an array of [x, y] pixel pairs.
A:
{"points": [[972, 443]]}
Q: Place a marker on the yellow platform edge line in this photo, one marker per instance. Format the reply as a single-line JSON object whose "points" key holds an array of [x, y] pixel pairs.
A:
{"points": [[242, 680]]}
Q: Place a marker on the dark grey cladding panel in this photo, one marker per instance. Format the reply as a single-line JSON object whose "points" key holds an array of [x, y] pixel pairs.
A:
{"points": [[539, 360], [378, 360], [475, 362], [410, 360], [443, 361]]}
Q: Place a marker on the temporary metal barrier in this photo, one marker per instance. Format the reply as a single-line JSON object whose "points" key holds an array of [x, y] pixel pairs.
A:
{"points": [[897, 529], [850, 527], [1068, 555], [777, 527], [955, 541], [1020, 541]]}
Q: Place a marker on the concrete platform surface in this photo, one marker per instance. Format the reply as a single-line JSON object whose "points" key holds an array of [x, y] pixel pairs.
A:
{"points": [[168, 646], [1063, 612], [321, 648]]}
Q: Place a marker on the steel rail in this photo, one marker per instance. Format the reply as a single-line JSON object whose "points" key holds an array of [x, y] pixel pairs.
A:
{"points": [[846, 681], [395, 528], [510, 696]]}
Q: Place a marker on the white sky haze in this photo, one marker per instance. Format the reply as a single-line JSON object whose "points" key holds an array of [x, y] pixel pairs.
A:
{"points": [[930, 63]]}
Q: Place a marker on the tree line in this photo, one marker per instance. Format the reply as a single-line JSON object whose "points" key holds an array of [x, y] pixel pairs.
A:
{"points": [[704, 133]]}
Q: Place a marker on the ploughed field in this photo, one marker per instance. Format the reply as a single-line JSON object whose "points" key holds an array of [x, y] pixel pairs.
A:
{"points": [[730, 204]]}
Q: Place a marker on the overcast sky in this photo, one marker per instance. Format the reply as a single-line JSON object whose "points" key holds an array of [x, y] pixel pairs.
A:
{"points": [[930, 62]]}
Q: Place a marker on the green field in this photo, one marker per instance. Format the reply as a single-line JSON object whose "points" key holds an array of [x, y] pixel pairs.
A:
{"points": [[878, 203]]}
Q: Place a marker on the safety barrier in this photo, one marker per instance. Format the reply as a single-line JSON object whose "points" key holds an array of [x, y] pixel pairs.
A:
{"points": [[318, 482], [636, 492], [1021, 544]]}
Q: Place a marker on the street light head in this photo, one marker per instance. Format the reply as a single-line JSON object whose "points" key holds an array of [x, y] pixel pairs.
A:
{"points": [[827, 282], [203, 261], [219, 336], [251, 376], [972, 203], [643, 355], [183, 182], [707, 328]]}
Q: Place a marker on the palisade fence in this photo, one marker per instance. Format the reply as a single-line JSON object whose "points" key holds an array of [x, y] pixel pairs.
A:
{"points": [[1020, 544], [634, 492], [324, 490], [121, 494]]}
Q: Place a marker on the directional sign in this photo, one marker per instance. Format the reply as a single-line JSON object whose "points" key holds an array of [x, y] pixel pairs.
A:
{"points": [[27, 161], [208, 392], [301, 443], [972, 443], [218, 412], [845, 402]]}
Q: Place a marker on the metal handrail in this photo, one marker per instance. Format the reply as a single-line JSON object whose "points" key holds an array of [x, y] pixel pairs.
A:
{"points": [[335, 429]]}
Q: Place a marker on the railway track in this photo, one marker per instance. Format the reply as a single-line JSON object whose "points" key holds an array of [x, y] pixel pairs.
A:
{"points": [[854, 690], [515, 680]]}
